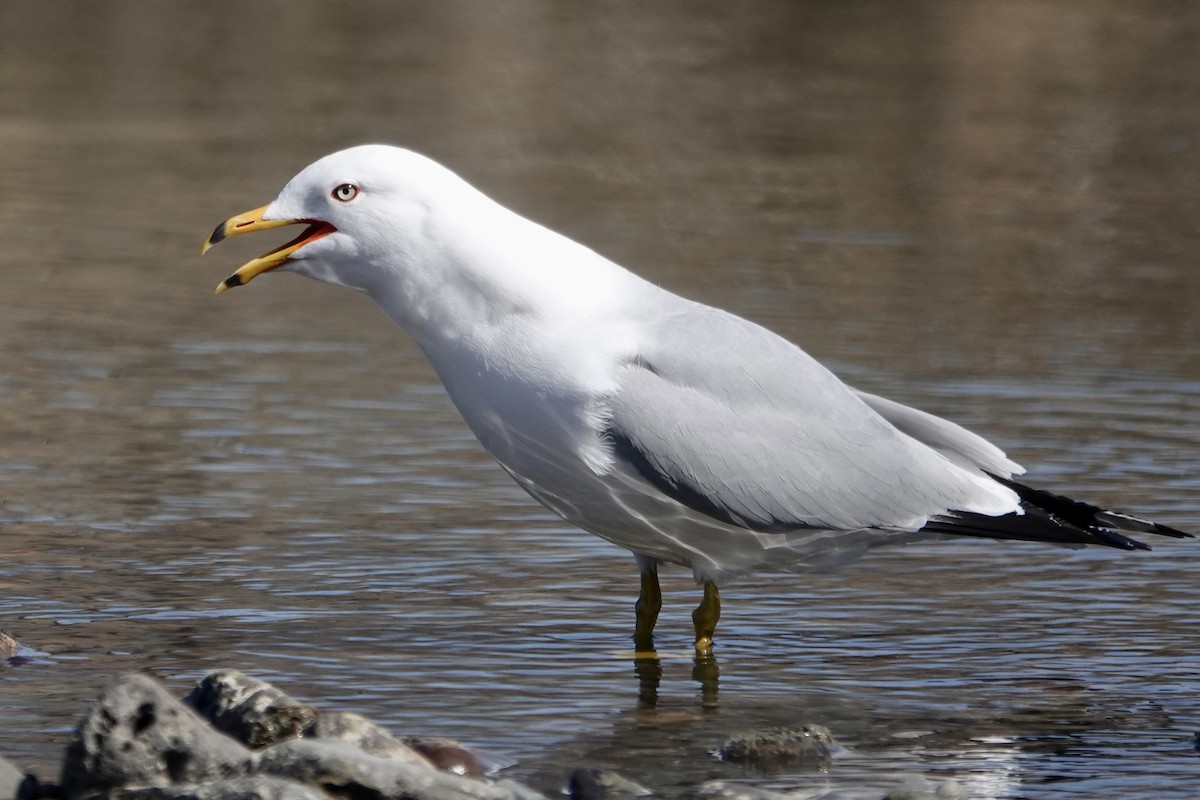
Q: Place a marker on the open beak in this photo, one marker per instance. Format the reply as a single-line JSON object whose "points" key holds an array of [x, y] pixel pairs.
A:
{"points": [[253, 221]]}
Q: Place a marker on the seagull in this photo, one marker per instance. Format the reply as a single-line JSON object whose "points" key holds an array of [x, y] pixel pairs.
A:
{"points": [[683, 433]]}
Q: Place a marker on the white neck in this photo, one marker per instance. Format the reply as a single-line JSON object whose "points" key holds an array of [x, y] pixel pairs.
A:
{"points": [[475, 266]]}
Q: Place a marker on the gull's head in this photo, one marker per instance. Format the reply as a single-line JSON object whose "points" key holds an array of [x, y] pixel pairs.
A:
{"points": [[360, 208]]}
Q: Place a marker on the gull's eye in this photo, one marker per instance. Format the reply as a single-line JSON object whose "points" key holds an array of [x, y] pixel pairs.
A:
{"points": [[345, 192]]}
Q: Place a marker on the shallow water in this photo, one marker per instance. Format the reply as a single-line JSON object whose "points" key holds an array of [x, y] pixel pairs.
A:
{"points": [[987, 211]]}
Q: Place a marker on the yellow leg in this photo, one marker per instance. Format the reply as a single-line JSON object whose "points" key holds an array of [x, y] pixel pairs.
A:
{"points": [[649, 603], [705, 617]]}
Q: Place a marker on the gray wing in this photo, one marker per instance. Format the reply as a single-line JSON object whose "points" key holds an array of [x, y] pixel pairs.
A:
{"points": [[953, 441], [736, 422]]}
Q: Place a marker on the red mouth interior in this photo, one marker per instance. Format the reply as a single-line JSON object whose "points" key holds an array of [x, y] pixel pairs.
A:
{"points": [[315, 230]]}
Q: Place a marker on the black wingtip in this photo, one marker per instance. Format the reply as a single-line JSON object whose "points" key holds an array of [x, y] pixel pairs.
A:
{"points": [[1118, 540], [1174, 533], [1109, 527]]}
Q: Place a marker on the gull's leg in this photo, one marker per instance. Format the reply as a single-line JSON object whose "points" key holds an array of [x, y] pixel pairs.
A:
{"points": [[705, 618], [649, 603]]}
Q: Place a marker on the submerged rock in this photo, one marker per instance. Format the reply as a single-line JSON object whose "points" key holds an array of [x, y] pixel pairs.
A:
{"points": [[809, 746], [138, 734], [733, 790], [596, 783], [252, 711], [949, 789]]}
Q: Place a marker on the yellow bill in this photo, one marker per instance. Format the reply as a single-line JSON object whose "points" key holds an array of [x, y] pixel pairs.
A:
{"points": [[253, 221]]}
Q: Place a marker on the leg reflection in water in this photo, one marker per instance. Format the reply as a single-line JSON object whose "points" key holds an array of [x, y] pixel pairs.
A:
{"points": [[648, 668]]}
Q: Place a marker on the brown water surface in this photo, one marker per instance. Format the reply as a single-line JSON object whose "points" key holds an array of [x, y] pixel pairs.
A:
{"points": [[988, 210]]}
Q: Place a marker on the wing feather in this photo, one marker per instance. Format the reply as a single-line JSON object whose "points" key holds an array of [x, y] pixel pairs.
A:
{"points": [[776, 442], [953, 441]]}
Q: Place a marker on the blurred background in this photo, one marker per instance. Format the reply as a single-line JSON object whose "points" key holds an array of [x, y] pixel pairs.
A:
{"points": [[988, 210]]}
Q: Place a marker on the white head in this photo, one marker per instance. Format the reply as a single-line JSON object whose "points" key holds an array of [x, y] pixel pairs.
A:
{"points": [[366, 209], [436, 255]]}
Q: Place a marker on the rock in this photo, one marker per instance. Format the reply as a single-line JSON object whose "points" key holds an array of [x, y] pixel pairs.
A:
{"points": [[595, 783], [808, 746], [364, 734], [250, 788], [9, 647], [514, 790], [252, 711], [13, 653], [139, 743], [138, 734], [33, 789], [949, 789], [346, 771], [448, 755], [732, 790], [10, 776]]}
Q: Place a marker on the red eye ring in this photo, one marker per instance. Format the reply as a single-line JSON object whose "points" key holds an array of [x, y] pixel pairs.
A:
{"points": [[344, 192]]}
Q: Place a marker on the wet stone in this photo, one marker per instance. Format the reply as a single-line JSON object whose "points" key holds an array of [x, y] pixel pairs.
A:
{"points": [[357, 730], [733, 790], [448, 755], [949, 789], [10, 778], [808, 746], [509, 789], [13, 653], [252, 711], [138, 734], [596, 783], [257, 787], [9, 647], [344, 770]]}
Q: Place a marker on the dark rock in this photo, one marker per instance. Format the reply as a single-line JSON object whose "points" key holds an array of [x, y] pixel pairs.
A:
{"points": [[346, 771], [595, 783], [33, 789], [252, 711], [808, 746], [448, 756], [364, 734], [256, 787], [10, 777], [138, 734]]}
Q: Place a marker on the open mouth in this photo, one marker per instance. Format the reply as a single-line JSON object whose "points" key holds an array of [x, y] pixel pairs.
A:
{"points": [[253, 221], [315, 230]]}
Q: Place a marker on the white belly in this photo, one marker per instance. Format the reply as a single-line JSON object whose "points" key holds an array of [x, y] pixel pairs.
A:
{"points": [[552, 447]]}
